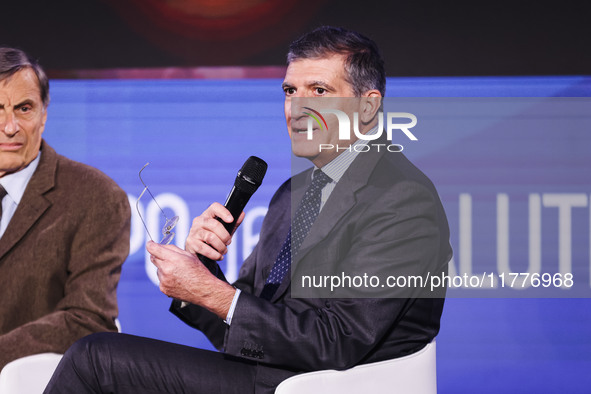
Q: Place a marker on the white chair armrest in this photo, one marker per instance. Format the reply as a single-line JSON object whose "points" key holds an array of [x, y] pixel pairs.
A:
{"points": [[28, 375], [412, 374]]}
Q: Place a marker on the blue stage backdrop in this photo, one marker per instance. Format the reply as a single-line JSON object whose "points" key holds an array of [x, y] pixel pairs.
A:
{"points": [[197, 133]]}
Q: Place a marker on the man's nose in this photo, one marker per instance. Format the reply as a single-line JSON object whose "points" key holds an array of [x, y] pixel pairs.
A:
{"points": [[300, 107], [9, 123]]}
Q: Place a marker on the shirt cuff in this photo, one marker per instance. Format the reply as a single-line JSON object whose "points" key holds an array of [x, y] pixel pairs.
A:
{"points": [[228, 320]]}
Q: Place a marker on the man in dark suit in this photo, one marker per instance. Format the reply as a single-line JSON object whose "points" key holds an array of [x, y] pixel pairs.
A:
{"points": [[370, 212], [64, 227]]}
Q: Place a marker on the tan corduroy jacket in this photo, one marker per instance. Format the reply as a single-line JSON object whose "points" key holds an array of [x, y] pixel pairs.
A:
{"points": [[60, 258]]}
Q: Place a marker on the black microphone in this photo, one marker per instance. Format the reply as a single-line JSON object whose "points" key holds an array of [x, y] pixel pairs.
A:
{"points": [[248, 180]]}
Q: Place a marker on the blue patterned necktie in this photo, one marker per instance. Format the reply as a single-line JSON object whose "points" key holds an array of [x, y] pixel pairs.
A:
{"points": [[304, 218]]}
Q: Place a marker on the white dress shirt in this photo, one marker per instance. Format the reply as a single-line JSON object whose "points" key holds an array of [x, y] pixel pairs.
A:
{"points": [[15, 185]]}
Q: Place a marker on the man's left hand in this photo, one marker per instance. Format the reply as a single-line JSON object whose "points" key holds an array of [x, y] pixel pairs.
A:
{"points": [[184, 277]]}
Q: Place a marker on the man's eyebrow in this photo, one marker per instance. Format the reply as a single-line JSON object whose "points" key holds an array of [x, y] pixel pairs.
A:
{"points": [[24, 102], [21, 104], [310, 84], [322, 84]]}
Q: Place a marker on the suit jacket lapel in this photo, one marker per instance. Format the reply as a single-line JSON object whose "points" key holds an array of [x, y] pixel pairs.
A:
{"points": [[341, 201], [33, 203]]}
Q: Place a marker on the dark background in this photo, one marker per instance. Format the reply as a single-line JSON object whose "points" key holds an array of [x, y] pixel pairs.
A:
{"points": [[418, 38]]}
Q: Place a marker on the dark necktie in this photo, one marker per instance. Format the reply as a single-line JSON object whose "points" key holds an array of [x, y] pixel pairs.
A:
{"points": [[304, 218], [2, 194]]}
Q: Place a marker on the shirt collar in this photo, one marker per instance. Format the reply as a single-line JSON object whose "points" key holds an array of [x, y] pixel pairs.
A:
{"points": [[15, 184], [337, 167]]}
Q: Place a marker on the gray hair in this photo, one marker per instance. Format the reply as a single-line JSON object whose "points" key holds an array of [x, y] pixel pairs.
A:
{"points": [[364, 66], [13, 60]]}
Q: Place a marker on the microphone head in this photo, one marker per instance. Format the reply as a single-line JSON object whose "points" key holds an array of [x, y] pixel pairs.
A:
{"points": [[251, 175]]}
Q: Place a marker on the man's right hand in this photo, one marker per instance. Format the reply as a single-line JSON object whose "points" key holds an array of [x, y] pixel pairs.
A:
{"points": [[207, 236]]}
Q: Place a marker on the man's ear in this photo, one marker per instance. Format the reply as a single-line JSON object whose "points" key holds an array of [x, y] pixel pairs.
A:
{"points": [[43, 120], [371, 102]]}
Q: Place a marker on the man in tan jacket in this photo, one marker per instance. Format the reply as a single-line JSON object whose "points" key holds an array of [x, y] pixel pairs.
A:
{"points": [[64, 227]]}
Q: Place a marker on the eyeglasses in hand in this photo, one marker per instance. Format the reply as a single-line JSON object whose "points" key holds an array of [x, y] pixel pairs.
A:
{"points": [[169, 224]]}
